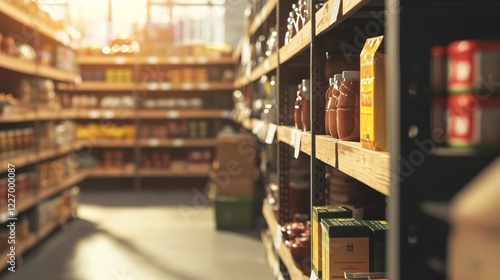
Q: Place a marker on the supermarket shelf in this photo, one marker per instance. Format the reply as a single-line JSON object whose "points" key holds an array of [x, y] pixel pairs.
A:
{"points": [[47, 192], [46, 153], [110, 143], [288, 134], [270, 254], [31, 68], [42, 115], [370, 167], [198, 172], [299, 42], [20, 160], [183, 114], [28, 20], [325, 17], [51, 226], [22, 204], [283, 251], [108, 172], [262, 16], [153, 60], [177, 142], [269, 64], [103, 87]]}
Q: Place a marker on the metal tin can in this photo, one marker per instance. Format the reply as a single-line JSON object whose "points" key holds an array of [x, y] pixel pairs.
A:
{"points": [[473, 121]]}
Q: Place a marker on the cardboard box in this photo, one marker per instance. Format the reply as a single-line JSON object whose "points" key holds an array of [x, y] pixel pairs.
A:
{"points": [[346, 247], [234, 212], [320, 213], [377, 244], [236, 155], [373, 134]]}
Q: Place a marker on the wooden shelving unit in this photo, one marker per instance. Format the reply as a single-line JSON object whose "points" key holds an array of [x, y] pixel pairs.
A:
{"points": [[269, 64], [100, 172], [153, 60], [289, 134], [262, 15], [299, 42], [165, 173], [105, 87], [332, 14], [47, 192]]}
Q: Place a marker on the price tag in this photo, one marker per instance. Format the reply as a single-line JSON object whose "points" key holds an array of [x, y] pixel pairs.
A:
{"points": [[174, 59], [120, 60], [154, 142], [271, 131], [178, 142], [190, 59], [313, 275], [225, 114], [187, 86], [335, 11], [266, 64], [152, 59], [108, 114], [204, 86], [165, 86], [173, 114], [258, 127], [152, 86], [298, 137], [202, 60], [278, 238], [94, 114]]}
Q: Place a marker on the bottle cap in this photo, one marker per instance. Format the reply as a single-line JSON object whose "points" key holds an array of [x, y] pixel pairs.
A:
{"points": [[350, 75], [331, 81], [337, 77]]}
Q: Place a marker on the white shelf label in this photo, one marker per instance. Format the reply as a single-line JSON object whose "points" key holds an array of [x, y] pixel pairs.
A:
{"points": [[298, 137], [108, 114], [266, 64], [190, 59], [174, 59], [153, 86], [203, 86], [335, 12], [278, 238], [94, 114], [120, 60], [152, 59], [187, 86], [165, 86], [202, 60], [225, 114], [313, 275], [173, 114], [178, 142], [258, 127], [154, 142], [271, 131]]}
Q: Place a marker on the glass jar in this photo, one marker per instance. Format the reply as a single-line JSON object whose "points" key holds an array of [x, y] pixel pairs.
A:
{"points": [[332, 106], [348, 107], [306, 104]]}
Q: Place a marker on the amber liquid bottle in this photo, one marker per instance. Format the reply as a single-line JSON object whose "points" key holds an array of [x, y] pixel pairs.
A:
{"points": [[332, 106], [298, 108], [306, 105], [348, 107]]}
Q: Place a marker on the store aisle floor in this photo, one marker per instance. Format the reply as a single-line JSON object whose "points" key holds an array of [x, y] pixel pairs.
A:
{"points": [[149, 235]]}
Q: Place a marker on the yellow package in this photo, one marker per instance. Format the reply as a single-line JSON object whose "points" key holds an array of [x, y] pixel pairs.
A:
{"points": [[373, 125]]}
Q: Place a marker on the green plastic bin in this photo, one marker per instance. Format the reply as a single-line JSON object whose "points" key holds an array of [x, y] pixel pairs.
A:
{"points": [[234, 212]]}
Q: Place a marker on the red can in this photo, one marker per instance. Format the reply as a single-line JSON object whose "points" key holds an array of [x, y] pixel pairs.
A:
{"points": [[473, 121], [474, 67]]}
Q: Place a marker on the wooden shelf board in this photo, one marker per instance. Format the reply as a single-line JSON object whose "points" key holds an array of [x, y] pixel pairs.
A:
{"points": [[370, 167], [103, 87], [269, 64], [298, 43], [47, 192], [110, 143], [324, 15], [30, 21], [285, 136], [183, 114], [262, 16], [42, 115], [152, 60], [19, 160], [30, 68], [202, 172], [177, 142], [13, 118], [105, 172], [46, 153], [22, 203]]}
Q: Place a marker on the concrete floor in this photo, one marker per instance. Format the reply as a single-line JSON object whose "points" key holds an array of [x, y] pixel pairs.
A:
{"points": [[149, 235]]}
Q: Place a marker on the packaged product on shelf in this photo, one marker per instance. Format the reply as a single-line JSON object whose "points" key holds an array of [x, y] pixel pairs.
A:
{"points": [[306, 105], [348, 107], [379, 231], [298, 108], [373, 95], [474, 68], [319, 213], [346, 247], [439, 75], [331, 106], [472, 121]]}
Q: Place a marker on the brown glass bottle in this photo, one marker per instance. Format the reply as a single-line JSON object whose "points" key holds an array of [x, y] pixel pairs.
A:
{"points": [[328, 100], [298, 108], [332, 106], [306, 105], [348, 107]]}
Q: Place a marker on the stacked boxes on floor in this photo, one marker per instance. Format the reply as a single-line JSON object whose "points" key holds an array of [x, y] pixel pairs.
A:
{"points": [[232, 182]]}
